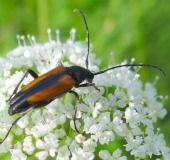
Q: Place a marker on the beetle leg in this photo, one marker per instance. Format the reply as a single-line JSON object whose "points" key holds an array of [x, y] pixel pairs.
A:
{"points": [[87, 85], [15, 123], [74, 118], [32, 73], [60, 63]]}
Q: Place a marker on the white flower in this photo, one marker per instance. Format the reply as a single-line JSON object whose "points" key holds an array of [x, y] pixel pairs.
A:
{"points": [[89, 123], [166, 153], [122, 130], [49, 146], [132, 117], [63, 153], [80, 154], [89, 145], [154, 143], [103, 137], [2, 102], [17, 154], [18, 145], [105, 155], [28, 146], [80, 138], [60, 133], [121, 108], [6, 146], [135, 146], [23, 122]]}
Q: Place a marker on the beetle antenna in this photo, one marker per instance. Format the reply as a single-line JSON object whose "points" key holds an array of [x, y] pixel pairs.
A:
{"points": [[131, 65], [88, 36], [15, 123]]}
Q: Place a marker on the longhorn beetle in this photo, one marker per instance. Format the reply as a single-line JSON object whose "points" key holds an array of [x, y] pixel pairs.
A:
{"points": [[54, 84]]}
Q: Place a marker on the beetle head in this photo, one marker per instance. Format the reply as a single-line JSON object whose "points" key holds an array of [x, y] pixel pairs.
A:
{"points": [[79, 74]]}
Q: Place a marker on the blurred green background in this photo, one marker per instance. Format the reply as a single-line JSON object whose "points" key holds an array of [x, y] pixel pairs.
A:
{"points": [[139, 29]]}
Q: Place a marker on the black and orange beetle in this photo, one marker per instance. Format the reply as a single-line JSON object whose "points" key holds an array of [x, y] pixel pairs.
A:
{"points": [[54, 84]]}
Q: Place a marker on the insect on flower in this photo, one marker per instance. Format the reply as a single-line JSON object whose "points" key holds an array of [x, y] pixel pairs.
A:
{"points": [[55, 84]]}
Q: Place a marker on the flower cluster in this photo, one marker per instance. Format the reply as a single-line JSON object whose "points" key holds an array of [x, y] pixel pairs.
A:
{"points": [[123, 108]]}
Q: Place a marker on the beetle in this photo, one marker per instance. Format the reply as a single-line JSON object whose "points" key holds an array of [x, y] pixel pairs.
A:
{"points": [[55, 84]]}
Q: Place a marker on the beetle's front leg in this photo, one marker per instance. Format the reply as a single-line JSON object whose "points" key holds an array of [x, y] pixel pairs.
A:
{"points": [[75, 112], [87, 85], [32, 73]]}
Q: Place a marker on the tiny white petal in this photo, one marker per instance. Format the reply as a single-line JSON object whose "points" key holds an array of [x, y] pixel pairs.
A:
{"points": [[41, 155], [104, 154], [40, 144]]}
